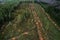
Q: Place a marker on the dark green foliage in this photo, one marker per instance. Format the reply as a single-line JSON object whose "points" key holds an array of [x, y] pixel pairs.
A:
{"points": [[53, 12], [6, 12]]}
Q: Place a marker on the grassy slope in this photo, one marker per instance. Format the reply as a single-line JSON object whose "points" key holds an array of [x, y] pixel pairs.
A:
{"points": [[23, 27], [52, 11], [51, 29]]}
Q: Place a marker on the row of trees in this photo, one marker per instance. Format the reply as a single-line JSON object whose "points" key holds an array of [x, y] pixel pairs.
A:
{"points": [[6, 10]]}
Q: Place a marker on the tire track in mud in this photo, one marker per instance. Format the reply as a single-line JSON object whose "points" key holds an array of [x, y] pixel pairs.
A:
{"points": [[37, 22]]}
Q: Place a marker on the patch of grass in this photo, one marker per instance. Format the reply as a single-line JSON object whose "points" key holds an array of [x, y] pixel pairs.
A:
{"points": [[52, 32], [21, 27], [52, 11], [24, 28]]}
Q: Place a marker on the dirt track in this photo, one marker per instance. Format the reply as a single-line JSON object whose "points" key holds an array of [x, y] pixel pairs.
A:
{"points": [[37, 22]]}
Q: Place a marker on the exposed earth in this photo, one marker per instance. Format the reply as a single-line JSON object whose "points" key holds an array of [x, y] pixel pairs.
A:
{"points": [[31, 22]]}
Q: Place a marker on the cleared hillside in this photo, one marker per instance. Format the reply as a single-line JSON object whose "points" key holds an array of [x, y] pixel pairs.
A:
{"points": [[30, 23]]}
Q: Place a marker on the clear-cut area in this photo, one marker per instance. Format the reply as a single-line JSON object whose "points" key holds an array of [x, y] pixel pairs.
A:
{"points": [[28, 21]]}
